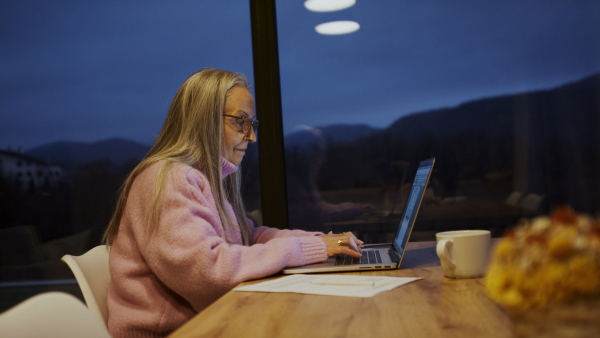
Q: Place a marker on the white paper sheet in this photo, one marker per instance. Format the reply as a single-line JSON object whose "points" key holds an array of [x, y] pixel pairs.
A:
{"points": [[306, 284]]}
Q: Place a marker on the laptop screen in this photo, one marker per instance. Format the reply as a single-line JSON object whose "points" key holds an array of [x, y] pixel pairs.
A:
{"points": [[412, 205]]}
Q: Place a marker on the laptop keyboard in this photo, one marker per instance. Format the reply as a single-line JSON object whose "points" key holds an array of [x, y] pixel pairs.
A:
{"points": [[368, 257]]}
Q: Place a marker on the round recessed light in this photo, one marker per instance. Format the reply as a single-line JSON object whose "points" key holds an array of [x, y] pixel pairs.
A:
{"points": [[328, 5], [337, 27]]}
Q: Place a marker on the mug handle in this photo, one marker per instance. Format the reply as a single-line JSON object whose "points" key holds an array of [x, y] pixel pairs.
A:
{"points": [[441, 252]]}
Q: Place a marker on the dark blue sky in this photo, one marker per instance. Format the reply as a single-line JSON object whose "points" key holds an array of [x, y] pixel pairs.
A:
{"points": [[87, 71]]}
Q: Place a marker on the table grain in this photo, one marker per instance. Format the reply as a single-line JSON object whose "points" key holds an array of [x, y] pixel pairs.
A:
{"points": [[432, 307]]}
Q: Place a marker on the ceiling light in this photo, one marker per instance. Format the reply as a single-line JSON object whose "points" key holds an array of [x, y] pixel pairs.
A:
{"points": [[328, 5], [337, 27]]}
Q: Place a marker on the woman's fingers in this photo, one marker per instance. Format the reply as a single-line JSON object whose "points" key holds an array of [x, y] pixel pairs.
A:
{"points": [[346, 234], [354, 245], [338, 249], [347, 251], [352, 240], [345, 243]]}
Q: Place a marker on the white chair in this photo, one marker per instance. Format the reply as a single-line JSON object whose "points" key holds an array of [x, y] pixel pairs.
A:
{"points": [[514, 198], [51, 314], [93, 276], [532, 202]]}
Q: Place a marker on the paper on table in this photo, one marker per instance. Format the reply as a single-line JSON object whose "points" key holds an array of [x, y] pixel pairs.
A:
{"points": [[305, 284]]}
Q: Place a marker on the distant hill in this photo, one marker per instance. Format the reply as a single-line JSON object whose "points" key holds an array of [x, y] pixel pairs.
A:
{"points": [[553, 131], [571, 103], [547, 111], [72, 154], [567, 104]]}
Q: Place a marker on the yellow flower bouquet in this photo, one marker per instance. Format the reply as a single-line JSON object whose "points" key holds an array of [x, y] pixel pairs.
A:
{"points": [[547, 270]]}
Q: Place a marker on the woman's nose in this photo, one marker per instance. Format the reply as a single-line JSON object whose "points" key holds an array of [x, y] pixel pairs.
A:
{"points": [[251, 136]]}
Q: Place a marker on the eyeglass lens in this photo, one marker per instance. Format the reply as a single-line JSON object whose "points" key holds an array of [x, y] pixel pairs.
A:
{"points": [[245, 124], [248, 123]]}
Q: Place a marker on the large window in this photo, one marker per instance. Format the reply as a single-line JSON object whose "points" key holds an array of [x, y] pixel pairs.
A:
{"points": [[85, 89], [506, 96]]}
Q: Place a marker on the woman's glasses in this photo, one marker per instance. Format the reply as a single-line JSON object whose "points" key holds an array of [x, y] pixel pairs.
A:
{"points": [[244, 124]]}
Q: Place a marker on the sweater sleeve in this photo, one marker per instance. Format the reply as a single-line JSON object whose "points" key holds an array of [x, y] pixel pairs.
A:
{"points": [[264, 234], [188, 253]]}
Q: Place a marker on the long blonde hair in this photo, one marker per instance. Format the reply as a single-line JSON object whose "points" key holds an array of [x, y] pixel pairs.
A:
{"points": [[193, 134]]}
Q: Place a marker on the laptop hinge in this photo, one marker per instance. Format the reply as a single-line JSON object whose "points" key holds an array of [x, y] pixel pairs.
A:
{"points": [[393, 255]]}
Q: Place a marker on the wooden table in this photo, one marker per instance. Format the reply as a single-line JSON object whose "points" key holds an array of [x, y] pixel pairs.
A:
{"points": [[432, 307]]}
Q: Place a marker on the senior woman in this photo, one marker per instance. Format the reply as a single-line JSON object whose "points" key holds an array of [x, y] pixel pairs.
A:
{"points": [[179, 236]]}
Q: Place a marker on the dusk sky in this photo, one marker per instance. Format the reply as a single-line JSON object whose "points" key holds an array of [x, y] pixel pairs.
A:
{"points": [[92, 70]]}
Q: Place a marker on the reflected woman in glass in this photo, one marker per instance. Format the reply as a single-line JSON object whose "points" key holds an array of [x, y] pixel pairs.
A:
{"points": [[180, 237], [307, 208]]}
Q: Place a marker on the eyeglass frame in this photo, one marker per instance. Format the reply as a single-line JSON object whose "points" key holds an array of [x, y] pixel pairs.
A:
{"points": [[245, 125]]}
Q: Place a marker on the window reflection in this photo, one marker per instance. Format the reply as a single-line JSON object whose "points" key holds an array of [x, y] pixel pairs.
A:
{"points": [[509, 142], [304, 166]]}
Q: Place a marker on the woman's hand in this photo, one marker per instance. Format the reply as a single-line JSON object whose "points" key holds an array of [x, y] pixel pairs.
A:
{"points": [[345, 243]]}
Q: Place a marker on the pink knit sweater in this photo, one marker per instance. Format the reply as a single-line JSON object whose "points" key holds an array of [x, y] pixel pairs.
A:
{"points": [[160, 280]]}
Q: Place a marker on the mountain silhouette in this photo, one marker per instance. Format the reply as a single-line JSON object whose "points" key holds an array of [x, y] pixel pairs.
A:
{"points": [[547, 139], [73, 154], [549, 111], [494, 117], [572, 103]]}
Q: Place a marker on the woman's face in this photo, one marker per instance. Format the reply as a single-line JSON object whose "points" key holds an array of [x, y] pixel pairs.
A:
{"points": [[240, 103]]}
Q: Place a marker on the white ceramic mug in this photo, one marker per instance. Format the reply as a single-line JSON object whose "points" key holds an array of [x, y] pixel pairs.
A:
{"points": [[464, 253]]}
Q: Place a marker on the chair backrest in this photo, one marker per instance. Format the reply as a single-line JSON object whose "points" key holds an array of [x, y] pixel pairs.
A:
{"points": [[532, 202], [93, 276], [514, 198], [51, 314]]}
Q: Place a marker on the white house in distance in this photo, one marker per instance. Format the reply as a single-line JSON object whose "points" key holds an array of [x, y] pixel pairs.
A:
{"points": [[28, 173]]}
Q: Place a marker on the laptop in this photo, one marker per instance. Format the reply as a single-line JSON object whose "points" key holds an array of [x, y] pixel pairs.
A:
{"points": [[380, 256]]}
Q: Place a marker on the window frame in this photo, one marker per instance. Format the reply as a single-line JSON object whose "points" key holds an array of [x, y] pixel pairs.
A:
{"points": [[265, 54]]}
